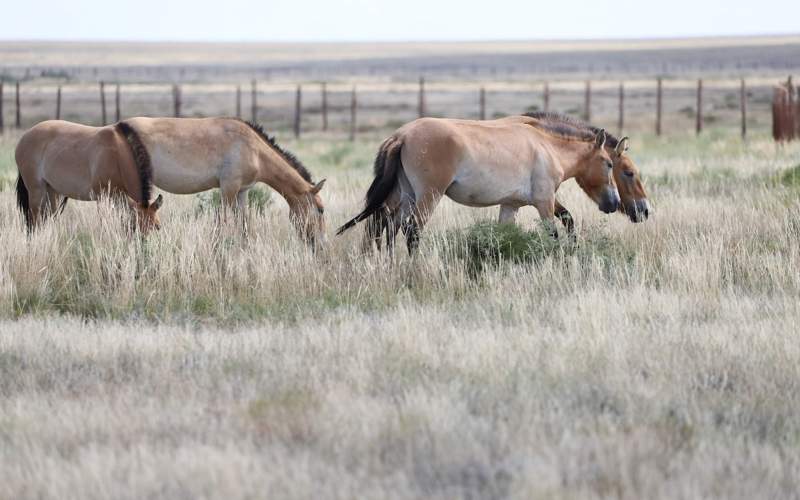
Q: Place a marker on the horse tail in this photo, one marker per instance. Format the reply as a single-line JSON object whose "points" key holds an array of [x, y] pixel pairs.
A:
{"points": [[387, 166], [23, 202], [141, 157]]}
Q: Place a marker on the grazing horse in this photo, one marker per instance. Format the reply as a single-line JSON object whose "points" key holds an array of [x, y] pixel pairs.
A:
{"points": [[633, 198], [62, 159], [479, 163], [190, 155]]}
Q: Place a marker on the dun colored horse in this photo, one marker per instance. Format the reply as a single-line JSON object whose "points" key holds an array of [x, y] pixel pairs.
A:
{"points": [[511, 163], [62, 159], [177, 155]]}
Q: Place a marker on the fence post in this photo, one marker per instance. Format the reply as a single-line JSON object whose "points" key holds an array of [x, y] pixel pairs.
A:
{"points": [[546, 97], [621, 120], [482, 100], [659, 104], [18, 121], [1, 107], [587, 102], [117, 111], [298, 112], [253, 102], [238, 101], [58, 103], [421, 103], [353, 106], [796, 113], [699, 124], [176, 100], [789, 112], [743, 106], [103, 103], [324, 106]]}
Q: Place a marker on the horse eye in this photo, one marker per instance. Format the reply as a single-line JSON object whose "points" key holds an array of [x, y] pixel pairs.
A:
{"points": [[628, 173], [320, 210], [609, 165]]}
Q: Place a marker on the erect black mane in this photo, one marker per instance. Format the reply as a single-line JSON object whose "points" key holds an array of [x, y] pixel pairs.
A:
{"points": [[288, 156], [570, 127], [141, 158]]}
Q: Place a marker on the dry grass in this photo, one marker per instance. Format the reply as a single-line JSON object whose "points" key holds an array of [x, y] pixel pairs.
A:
{"points": [[659, 360]]}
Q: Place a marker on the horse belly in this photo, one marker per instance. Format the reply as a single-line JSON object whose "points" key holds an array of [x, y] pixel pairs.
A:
{"points": [[486, 187], [182, 177]]}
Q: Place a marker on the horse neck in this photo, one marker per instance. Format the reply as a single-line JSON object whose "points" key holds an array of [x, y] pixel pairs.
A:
{"points": [[571, 155], [278, 174]]}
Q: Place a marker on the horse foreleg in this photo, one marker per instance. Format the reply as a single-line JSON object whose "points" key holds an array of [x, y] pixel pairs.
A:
{"points": [[243, 210], [508, 214], [546, 211], [565, 217]]}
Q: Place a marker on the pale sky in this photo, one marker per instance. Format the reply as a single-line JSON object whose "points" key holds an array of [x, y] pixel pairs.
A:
{"points": [[383, 20]]}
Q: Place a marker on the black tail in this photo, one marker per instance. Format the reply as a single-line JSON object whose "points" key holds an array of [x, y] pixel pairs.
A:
{"points": [[23, 202], [387, 166], [142, 159]]}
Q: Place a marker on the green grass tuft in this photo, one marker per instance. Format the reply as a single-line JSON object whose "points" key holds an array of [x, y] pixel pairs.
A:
{"points": [[258, 199], [791, 177]]}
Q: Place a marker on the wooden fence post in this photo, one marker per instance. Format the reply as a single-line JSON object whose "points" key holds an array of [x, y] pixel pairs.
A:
{"points": [[2, 125], [298, 112], [621, 119], [324, 106], [421, 104], [18, 121], [587, 102], [253, 102], [789, 112], [659, 104], [103, 103], [796, 113], [58, 103], [699, 123], [176, 100], [117, 109], [482, 101], [546, 97], [238, 101], [743, 106], [353, 106]]}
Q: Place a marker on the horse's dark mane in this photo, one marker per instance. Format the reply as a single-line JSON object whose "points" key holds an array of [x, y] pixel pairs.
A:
{"points": [[566, 126], [141, 157], [288, 156]]}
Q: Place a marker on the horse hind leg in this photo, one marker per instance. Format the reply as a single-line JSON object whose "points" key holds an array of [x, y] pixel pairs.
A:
{"points": [[41, 203], [420, 215]]}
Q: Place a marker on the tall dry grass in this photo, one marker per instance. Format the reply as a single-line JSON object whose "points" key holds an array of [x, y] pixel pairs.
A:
{"points": [[655, 360]]}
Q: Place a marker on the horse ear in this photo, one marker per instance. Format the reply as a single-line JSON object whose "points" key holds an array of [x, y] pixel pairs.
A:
{"points": [[622, 146], [600, 139], [157, 203], [318, 186]]}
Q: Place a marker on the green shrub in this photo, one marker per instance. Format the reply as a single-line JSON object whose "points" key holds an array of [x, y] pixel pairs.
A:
{"points": [[258, 198], [489, 244]]}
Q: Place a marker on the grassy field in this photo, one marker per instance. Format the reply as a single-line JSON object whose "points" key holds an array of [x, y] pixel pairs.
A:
{"points": [[657, 360]]}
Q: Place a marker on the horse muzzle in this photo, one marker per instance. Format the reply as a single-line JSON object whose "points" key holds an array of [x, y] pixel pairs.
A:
{"points": [[638, 211], [609, 203]]}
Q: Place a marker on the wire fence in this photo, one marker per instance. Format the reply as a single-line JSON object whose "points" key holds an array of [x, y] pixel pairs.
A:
{"points": [[660, 106]]}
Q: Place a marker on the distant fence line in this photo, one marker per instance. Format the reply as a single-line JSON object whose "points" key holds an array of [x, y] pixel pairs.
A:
{"points": [[785, 124]]}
